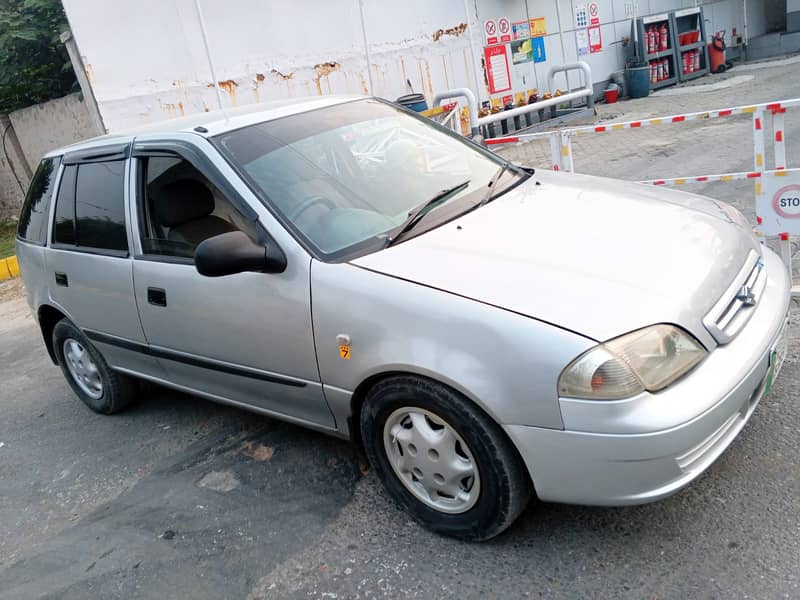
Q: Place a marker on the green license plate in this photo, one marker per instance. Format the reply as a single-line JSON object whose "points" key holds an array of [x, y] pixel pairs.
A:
{"points": [[776, 357], [771, 372]]}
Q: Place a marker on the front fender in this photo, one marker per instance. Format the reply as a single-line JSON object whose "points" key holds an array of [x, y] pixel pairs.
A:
{"points": [[508, 364]]}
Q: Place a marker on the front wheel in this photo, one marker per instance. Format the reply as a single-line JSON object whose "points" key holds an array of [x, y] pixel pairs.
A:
{"points": [[101, 389], [441, 458]]}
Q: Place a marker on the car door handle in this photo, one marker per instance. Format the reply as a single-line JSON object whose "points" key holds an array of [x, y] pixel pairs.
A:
{"points": [[156, 296], [61, 279]]}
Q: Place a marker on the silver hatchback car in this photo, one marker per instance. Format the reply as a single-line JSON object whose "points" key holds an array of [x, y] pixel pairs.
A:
{"points": [[485, 333]]}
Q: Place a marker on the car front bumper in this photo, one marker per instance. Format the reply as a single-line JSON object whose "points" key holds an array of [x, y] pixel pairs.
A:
{"points": [[632, 452]]}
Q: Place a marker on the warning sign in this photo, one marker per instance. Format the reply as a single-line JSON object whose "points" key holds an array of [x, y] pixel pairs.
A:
{"points": [[538, 26], [496, 60], [778, 203], [504, 29], [594, 13], [595, 39], [490, 30]]}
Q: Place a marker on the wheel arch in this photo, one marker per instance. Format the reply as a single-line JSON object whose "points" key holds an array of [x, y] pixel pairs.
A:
{"points": [[362, 389], [48, 316]]}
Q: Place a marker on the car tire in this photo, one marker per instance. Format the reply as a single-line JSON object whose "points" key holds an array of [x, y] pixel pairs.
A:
{"points": [[412, 428], [103, 390]]}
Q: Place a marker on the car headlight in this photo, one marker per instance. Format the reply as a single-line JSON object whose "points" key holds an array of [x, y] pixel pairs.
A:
{"points": [[648, 359]]}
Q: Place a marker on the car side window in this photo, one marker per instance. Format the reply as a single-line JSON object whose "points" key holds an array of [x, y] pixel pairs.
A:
{"points": [[100, 206], [90, 207], [179, 207], [64, 227], [33, 219]]}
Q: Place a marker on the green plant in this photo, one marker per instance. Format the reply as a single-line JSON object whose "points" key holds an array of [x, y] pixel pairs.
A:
{"points": [[34, 65], [8, 229]]}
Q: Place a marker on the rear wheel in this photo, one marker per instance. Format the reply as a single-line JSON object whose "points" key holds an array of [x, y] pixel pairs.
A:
{"points": [[86, 371], [441, 458]]}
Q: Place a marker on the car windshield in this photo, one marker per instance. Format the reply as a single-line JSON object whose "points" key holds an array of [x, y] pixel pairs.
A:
{"points": [[345, 177]]}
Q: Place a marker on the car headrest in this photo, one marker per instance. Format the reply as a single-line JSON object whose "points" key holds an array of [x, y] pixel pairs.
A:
{"points": [[182, 201]]}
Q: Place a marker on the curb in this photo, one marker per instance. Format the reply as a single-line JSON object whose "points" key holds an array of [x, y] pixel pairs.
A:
{"points": [[9, 267]]}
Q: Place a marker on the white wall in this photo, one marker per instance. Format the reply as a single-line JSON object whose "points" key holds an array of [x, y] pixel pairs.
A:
{"points": [[146, 60]]}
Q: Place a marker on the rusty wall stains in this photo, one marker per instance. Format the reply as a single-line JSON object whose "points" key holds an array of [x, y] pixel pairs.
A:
{"points": [[173, 109], [89, 71], [324, 70], [282, 76], [229, 85], [456, 31]]}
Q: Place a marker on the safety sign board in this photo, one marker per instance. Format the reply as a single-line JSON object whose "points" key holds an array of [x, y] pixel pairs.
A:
{"points": [[521, 30], [504, 29], [490, 29], [778, 203], [581, 16], [594, 13], [499, 77], [595, 39], [582, 41], [539, 53], [538, 26]]}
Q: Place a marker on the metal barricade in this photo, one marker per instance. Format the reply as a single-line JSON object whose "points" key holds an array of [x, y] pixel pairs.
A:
{"points": [[562, 157]]}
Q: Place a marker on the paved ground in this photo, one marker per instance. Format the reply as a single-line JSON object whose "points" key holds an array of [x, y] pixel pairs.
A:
{"points": [[178, 497]]}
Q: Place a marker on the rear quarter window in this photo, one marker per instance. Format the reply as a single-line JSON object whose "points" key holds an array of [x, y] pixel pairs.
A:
{"points": [[64, 226], [33, 219]]}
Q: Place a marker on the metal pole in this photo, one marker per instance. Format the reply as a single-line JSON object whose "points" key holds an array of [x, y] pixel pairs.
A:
{"points": [[746, 33], [366, 47], [563, 48], [478, 86], [533, 62], [208, 52]]}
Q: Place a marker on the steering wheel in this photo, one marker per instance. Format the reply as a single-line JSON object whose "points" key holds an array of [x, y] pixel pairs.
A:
{"points": [[307, 203]]}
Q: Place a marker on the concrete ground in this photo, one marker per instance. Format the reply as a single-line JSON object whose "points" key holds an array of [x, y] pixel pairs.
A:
{"points": [[178, 497]]}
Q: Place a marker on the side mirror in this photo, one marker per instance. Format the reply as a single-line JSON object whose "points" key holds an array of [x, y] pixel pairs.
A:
{"points": [[235, 252]]}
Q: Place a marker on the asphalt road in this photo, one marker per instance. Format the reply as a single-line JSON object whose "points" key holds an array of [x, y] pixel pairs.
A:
{"points": [[181, 498]]}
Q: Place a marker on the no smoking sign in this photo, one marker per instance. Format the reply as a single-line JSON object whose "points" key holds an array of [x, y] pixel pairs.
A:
{"points": [[490, 29], [504, 27], [594, 13]]}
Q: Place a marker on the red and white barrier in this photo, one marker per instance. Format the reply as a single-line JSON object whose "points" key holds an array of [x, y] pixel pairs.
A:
{"points": [[764, 184]]}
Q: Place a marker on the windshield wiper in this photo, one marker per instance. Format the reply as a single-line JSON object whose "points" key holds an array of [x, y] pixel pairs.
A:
{"points": [[493, 183], [415, 215]]}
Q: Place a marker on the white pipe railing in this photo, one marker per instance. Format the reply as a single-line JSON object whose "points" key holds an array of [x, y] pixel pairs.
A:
{"points": [[576, 66], [472, 103], [585, 92]]}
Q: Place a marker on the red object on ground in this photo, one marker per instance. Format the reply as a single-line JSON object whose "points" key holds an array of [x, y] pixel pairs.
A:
{"points": [[611, 96], [716, 52]]}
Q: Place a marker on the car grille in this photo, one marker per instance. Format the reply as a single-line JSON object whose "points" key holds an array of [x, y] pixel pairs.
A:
{"points": [[732, 311]]}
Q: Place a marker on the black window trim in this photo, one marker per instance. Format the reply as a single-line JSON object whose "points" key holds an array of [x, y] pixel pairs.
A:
{"points": [[76, 247], [172, 148], [90, 250], [105, 153]]}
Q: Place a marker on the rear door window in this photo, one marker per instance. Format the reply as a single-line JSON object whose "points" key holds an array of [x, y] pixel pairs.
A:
{"points": [[33, 219], [64, 227], [100, 206], [90, 207]]}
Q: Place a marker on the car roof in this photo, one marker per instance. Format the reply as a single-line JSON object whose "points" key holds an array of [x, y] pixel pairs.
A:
{"points": [[213, 122]]}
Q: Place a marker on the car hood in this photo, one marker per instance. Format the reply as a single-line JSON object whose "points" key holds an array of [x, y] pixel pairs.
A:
{"points": [[597, 256]]}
